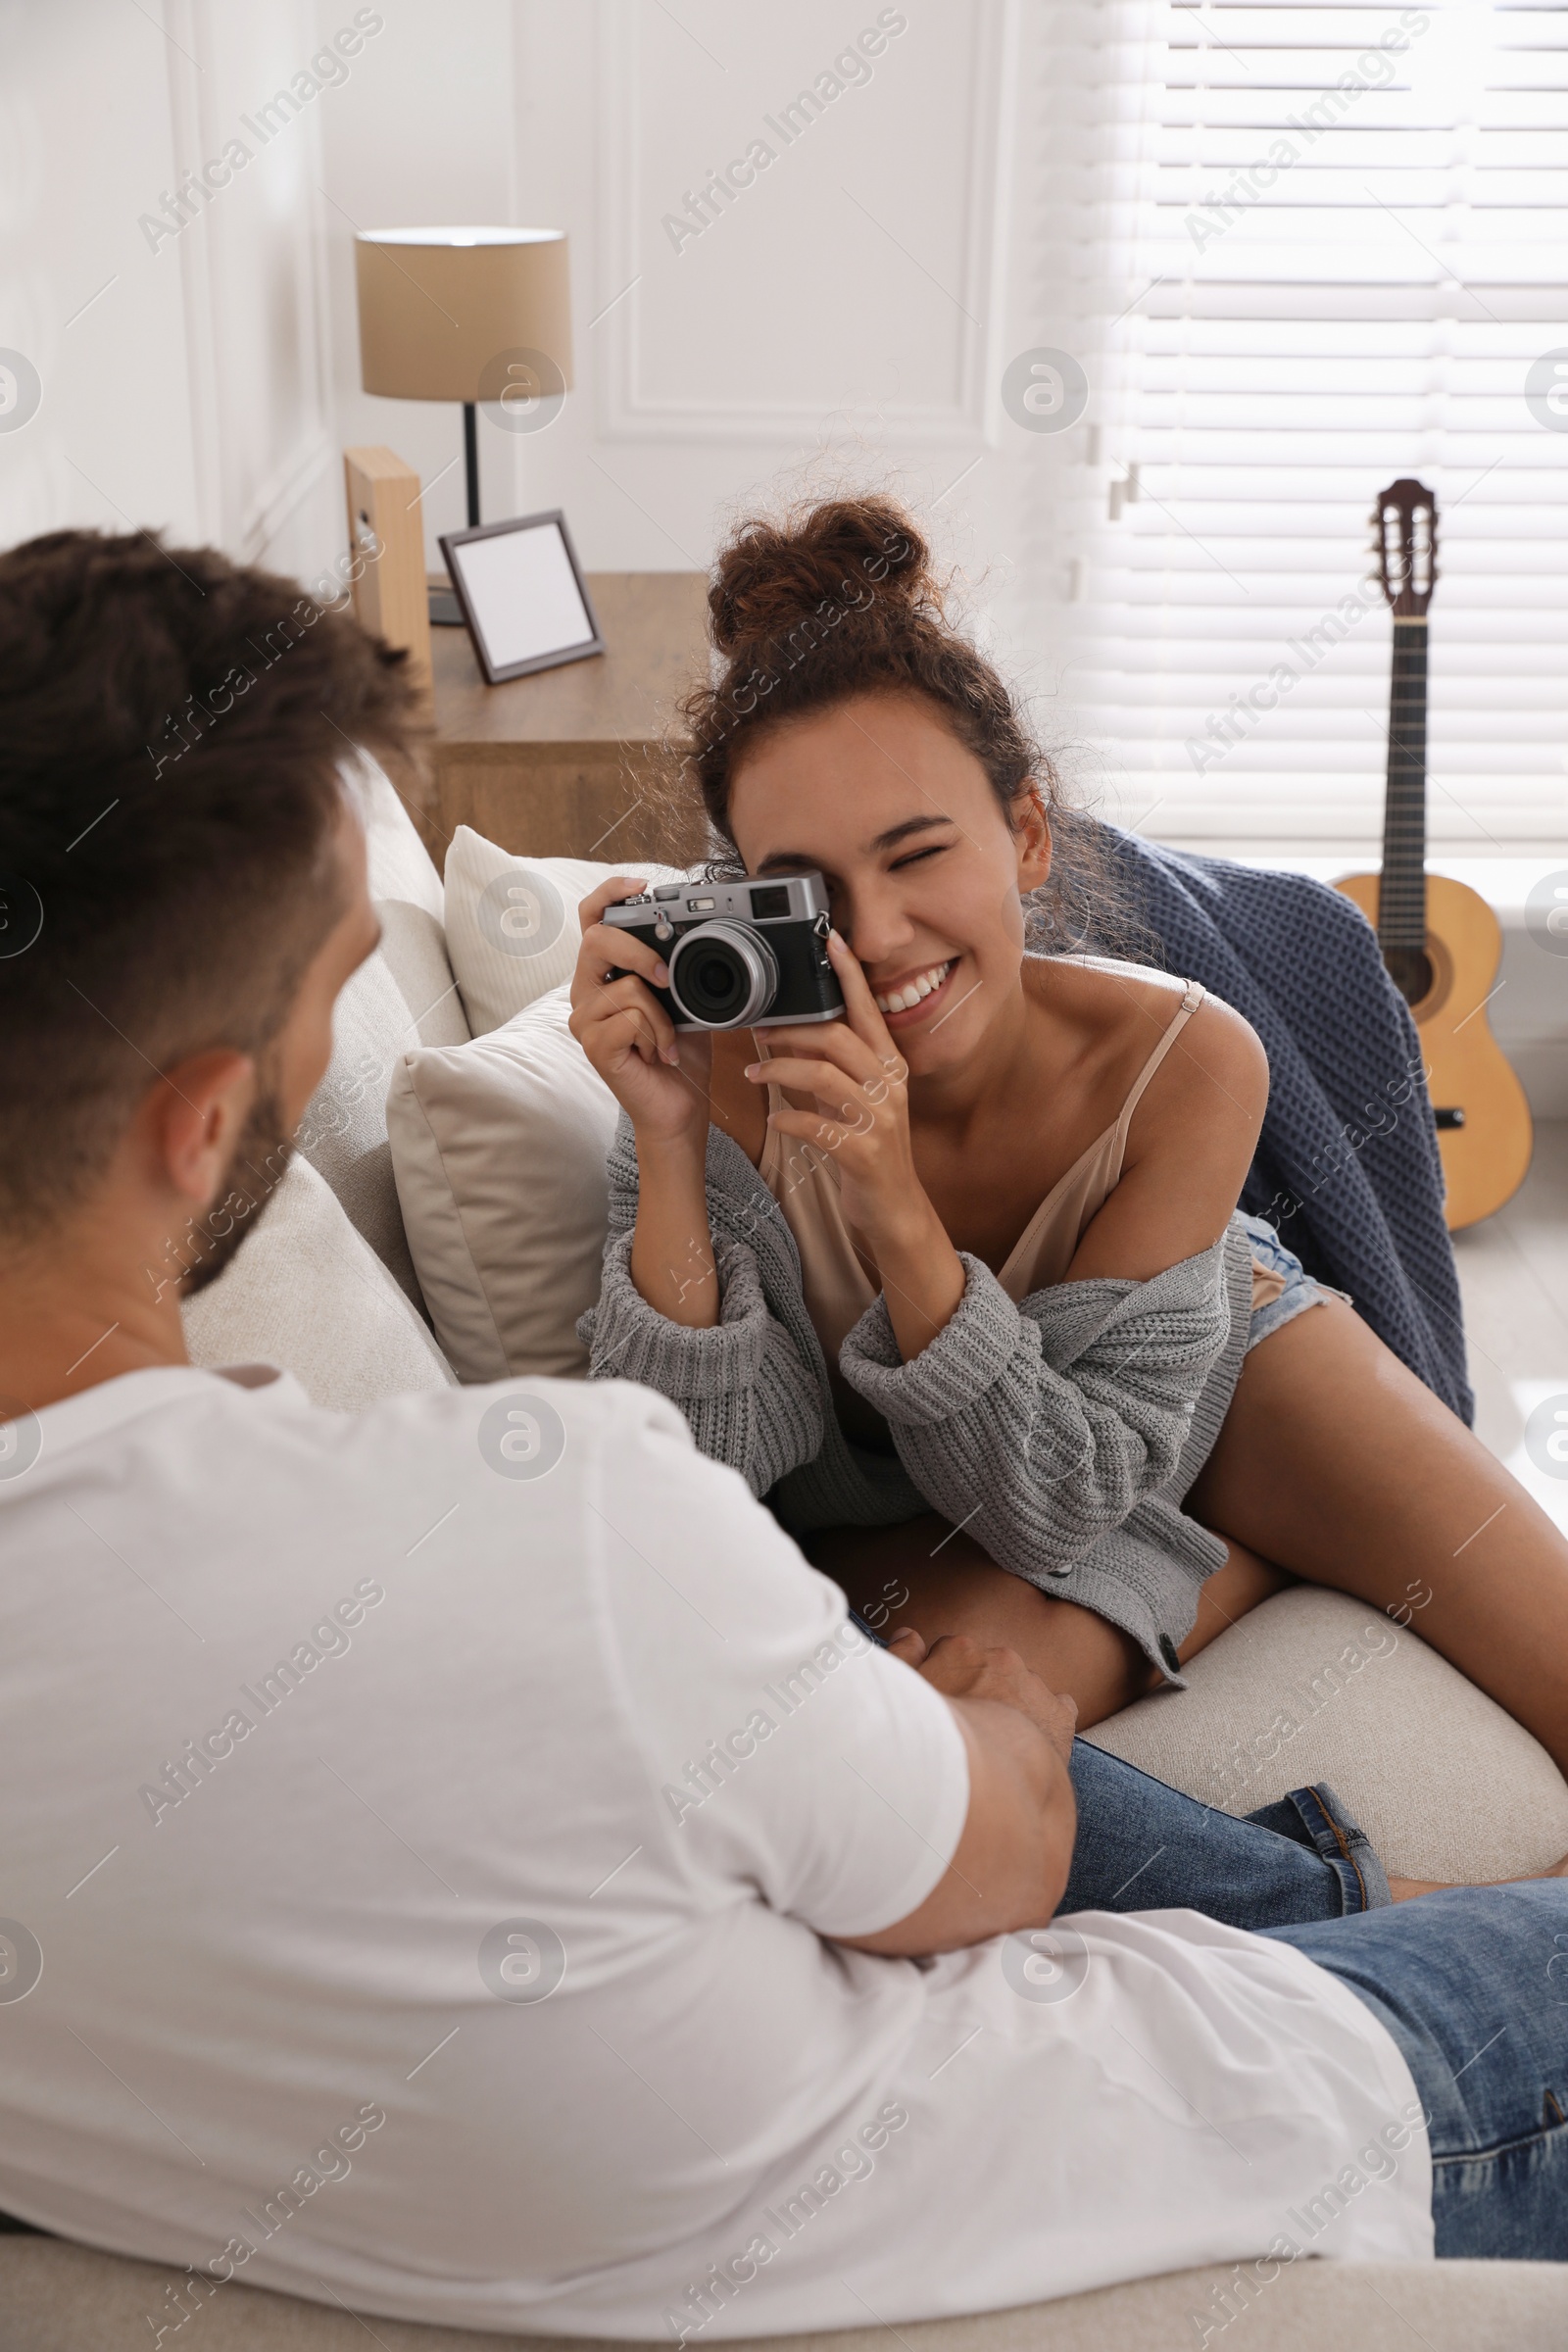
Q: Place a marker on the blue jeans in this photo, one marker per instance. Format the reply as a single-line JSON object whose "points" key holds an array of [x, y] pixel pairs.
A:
{"points": [[1472, 1984], [1144, 1846]]}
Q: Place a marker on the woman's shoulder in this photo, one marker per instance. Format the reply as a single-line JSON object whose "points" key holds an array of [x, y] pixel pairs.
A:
{"points": [[1117, 1010], [1191, 1079], [1108, 980], [1135, 994], [1222, 1065]]}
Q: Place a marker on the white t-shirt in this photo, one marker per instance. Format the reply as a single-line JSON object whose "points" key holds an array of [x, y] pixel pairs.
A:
{"points": [[428, 1822]]}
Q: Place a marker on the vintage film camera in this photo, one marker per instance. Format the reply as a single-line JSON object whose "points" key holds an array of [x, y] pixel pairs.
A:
{"points": [[740, 954]]}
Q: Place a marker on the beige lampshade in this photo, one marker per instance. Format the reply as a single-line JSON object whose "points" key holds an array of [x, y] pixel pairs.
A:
{"points": [[440, 307]]}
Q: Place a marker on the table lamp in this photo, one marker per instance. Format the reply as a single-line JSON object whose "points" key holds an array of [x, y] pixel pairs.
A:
{"points": [[469, 315]]}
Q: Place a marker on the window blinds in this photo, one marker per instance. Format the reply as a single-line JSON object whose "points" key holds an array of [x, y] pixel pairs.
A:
{"points": [[1345, 232]]}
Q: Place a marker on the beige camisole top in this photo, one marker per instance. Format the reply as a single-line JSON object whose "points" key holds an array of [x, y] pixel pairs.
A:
{"points": [[805, 1183]]}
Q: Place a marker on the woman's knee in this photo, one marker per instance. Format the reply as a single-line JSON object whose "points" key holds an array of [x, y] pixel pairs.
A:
{"points": [[937, 1579]]}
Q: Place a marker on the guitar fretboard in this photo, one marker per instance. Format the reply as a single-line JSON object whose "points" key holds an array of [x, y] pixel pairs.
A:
{"points": [[1402, 897]]}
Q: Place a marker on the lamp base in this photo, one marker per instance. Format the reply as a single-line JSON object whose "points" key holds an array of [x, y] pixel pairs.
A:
{"points": [[445, 611]]}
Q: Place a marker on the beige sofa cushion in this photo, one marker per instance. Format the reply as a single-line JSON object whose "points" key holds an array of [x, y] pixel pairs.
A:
{"points": [[62, 2298], [343, 1133], [1313, 1686], [498, 1148], [511, 922], [307, 1292], [403, 995], [414, 950], [399, 861]]}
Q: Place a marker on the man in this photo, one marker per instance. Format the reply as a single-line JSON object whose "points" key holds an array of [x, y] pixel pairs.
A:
{"points": [[461, 1861]]}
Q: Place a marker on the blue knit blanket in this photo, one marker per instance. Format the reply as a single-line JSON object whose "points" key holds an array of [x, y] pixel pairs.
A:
{"points": [[1347, 1165]]}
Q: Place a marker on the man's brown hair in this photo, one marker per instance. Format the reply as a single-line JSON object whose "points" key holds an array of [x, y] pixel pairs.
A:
{"points": [[174, 728]]}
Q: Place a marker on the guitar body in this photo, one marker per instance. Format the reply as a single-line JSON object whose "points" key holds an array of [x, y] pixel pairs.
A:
{"points": [[1484, 1160]]}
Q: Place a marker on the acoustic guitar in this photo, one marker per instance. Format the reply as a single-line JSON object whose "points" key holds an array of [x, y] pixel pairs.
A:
{"points": [[1441, 941]]}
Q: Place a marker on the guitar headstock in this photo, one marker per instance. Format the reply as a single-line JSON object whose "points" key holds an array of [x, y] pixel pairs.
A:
{"points": [[1404, 537]]}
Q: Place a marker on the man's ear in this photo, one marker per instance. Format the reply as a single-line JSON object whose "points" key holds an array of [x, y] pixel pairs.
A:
{"points": [[1031, 838], [190, 1122]]}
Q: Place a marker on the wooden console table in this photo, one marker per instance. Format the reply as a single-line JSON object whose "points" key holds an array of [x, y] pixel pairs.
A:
{"points": [[555, 764]]}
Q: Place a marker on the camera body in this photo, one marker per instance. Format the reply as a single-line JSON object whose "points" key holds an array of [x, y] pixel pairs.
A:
{"points": [[738, 952]]}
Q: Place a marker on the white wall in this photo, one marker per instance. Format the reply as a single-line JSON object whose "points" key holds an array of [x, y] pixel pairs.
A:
{"points": [[184, 376], [426, 130], [849, 316], [78, 158], [851, 300]]}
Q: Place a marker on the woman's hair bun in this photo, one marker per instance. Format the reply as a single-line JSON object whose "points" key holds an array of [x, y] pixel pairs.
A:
{"points": [[772, 575]]}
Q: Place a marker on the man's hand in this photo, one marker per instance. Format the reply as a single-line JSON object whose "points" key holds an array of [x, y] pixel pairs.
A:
{"points": [[1012, 1861], [960, 1668]]}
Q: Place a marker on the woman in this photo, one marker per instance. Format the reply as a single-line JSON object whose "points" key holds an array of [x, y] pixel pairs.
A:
{"points": [[957, 1281]]}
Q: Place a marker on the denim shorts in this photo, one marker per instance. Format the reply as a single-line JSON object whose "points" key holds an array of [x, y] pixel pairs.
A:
{"points": [[1301, 1289]]}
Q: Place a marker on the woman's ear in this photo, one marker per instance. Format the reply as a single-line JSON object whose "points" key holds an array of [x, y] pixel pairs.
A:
{"points": [[1031, 830]]}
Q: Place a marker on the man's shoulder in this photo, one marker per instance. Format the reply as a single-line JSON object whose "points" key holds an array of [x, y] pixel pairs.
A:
{"points": [[255, 1430], [521, 1426]]}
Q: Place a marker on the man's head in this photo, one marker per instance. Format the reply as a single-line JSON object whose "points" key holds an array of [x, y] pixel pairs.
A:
{"points": [[181, 881]]}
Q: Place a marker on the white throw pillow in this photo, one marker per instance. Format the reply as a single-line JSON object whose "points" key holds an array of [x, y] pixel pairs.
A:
{"points": [[499, 1146], [306, 1292], [1313, 1686], [511, 922]]}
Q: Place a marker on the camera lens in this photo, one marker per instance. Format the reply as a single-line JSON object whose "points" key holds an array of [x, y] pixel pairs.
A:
{"points": [[723, 975]]}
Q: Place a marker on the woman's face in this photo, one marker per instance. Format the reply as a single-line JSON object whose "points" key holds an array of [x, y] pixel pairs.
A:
{"points": [[923, 870]]}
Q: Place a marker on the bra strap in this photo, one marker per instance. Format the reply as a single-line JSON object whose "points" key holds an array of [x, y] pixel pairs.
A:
{"points": [[1193, 996]]}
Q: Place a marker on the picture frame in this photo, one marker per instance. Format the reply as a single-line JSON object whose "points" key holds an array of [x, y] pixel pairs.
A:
{"points": [[522, 595]]}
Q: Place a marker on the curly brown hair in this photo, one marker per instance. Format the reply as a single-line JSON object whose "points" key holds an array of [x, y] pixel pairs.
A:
{"points": [[842, 598]]}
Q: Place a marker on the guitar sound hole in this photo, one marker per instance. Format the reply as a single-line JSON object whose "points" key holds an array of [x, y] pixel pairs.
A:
{"points": [[1410, 971]]}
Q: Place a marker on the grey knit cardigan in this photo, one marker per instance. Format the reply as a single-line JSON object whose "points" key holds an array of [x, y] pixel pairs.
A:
{"points": [[1061, 1432]]}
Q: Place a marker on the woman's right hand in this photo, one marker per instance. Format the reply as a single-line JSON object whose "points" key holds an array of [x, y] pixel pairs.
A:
{"points": [[658, 1075]]}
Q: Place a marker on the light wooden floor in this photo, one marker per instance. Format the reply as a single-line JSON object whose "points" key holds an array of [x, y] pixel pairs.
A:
{"points": [[1513, 1270]]}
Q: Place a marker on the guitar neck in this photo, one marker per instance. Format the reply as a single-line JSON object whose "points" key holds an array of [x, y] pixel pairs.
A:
{"points": [[1402, 897]]}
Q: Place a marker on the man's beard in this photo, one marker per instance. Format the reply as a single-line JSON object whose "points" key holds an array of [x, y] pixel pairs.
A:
{"points": [[253, 1175]]}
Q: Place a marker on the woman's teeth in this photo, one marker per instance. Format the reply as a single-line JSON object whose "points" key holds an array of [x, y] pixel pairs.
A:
{"points": [[913, 990]]}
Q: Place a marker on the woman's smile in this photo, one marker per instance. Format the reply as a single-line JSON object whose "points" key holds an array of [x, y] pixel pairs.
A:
{"points": [[914, 994]]}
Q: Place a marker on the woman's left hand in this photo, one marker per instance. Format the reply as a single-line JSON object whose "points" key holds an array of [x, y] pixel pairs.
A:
{"points": [[860, 1080]]}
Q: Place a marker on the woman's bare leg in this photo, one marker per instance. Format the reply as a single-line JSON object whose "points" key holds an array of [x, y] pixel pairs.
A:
{"points": [[1405, 1890], [923, 1574], [892, 1576], [1243, 1581], [1338, 1464]]}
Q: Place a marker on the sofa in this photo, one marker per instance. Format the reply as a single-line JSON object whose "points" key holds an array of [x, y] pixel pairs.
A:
{"points": [[442, 1221]]}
